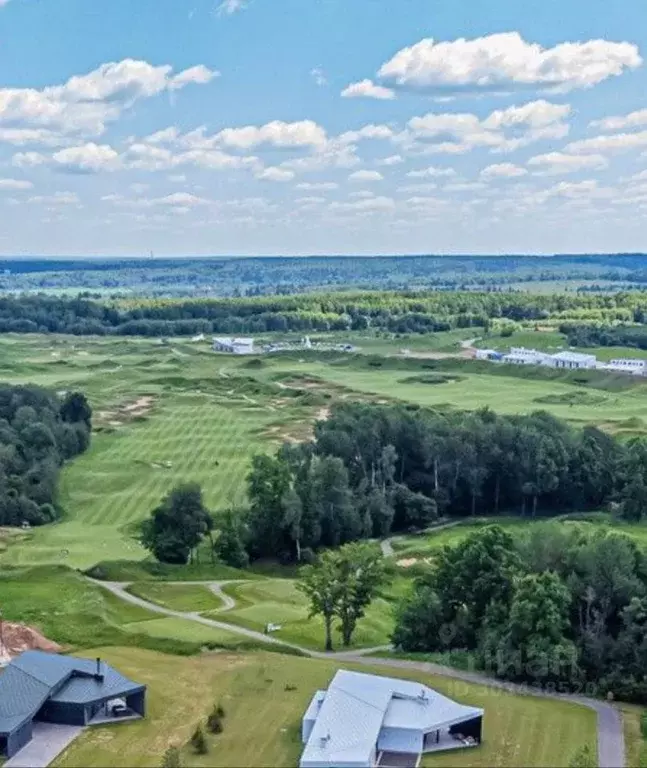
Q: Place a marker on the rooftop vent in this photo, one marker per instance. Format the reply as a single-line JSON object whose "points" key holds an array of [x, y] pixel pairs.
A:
{"points": [[324, 740]]}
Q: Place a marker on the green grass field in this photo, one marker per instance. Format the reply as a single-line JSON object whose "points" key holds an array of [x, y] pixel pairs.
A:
{"points": [[264, 697], [188, 598]]}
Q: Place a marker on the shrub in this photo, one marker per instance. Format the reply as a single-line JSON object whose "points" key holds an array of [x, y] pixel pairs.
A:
{"points": [[643, 724], [198, 741], [172, 758], [214, 721]]}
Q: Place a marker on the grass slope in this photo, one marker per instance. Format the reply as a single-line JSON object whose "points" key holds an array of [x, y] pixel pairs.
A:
{"points": [[188, 598], [265, 695]]}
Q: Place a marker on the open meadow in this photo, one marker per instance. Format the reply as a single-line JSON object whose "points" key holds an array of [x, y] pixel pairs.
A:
{"points": [[264, 696]]}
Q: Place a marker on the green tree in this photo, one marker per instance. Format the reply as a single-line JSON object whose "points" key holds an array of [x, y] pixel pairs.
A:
{"points": [[177, 525], [229, 545], [75, 408], [267, 483], [214, 721], [321, 585], [361, 575]]}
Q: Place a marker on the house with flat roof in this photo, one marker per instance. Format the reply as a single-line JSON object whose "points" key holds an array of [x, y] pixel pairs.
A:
{"points": [[573, 360], [38, 686], [234, 346], [363, 720]]}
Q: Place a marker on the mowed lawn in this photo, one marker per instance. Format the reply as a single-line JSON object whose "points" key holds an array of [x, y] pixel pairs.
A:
{"points": [[278, 601], [264, 697], [188, 598], [125, 474]]}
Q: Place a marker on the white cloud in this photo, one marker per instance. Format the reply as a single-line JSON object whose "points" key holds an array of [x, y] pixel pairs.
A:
{"points": [[505, 62], [322, 186], [464, 186], [620, 122], [573, 190], [431, 173], [366, 176], [177, 178], [366, 132], [304, 133], [22, 136], [229, 7], [86, 103], [559, 164], [390, 160], [28, 159], [367, 89], [88, 158], [611, 143], [502, 131], [419, 187], [198, 75], [503, 171], [310, 200], [15, 184], [59, 198], [275, 174], [319, 76]]}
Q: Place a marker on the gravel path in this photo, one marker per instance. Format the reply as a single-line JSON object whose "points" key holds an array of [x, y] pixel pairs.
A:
{"points": [[611, 746]]}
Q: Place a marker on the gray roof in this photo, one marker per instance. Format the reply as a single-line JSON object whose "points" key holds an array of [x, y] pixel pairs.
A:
{"points": [[350, 714], [35, 677]]}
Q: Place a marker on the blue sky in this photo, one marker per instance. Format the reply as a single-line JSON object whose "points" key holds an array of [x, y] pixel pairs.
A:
{"points": [[322, 126]]}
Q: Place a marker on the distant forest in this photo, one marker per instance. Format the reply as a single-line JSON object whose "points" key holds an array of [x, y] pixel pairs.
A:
{"points": [[289, 275], [394, 312]]}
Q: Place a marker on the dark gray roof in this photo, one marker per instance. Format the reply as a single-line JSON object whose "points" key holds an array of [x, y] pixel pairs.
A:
{"points": [[35, 677]]}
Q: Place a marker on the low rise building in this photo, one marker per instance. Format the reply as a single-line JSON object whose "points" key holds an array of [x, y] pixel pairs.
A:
{"points": [[631, 365], [234, 346], [573, 361]]}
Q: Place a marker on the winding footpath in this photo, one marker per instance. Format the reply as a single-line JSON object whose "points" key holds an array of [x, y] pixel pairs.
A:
{"points": [[611, 746]]}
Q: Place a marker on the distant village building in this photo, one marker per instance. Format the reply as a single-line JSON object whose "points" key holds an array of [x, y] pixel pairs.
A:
{"points": [[234, 346], [627, 365], [523, 356], [573, 361], [487, 354]]}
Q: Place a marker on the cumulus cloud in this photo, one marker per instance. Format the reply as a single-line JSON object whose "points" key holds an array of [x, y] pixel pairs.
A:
{"points": [[366, 176], [621, 122], [505, 62], [304, 133], [390, 160], [611, 143], [431, 173], [366, 205], [59, 198], [503, 130], [15, 185], [367, 89], [503, 171], [366, 132], [86, 103], [275, 174], [88, 158], [559, 163]]}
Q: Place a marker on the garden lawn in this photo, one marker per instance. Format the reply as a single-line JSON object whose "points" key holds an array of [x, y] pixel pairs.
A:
{"points": [[264, 697]]}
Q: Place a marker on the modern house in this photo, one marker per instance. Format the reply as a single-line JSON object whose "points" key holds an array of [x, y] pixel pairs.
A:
{"points": [[363, 720], [573, 361], [234, 346], [487, 354], [38, 686], [523, 356]]}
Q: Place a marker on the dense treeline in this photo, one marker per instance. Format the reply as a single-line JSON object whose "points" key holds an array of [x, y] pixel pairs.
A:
{"points": [[375, 469], [397, 312], [38, 432], [606, 336], [285, 276], [558, 607]]}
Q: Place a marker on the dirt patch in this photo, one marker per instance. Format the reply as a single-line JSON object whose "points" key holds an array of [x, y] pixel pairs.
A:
{"points": [[19, 637], [323, 414], [410, 561], [127, 412]]}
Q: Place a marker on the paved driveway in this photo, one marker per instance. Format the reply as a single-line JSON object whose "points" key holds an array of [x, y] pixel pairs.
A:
{"points": [[48, 741]]}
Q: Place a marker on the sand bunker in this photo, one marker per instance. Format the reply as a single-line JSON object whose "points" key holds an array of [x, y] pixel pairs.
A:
{"points": [[118, 416], [18, 638]]}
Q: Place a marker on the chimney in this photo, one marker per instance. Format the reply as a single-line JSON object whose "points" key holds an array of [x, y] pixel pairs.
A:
{"points": [[98, 674]]}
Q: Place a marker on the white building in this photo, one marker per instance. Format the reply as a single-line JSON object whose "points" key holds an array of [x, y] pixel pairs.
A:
{"points": [[363, 721], [234, 346], [573, 360], [523, 356], [627, 365], [487, 354]]}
